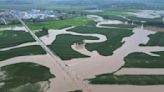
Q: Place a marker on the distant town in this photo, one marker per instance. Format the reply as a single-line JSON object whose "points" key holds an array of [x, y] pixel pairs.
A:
{"points": [[36, 15]]}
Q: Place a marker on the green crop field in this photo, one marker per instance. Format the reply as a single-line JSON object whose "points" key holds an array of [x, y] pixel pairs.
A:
{"points": [[62, 46], [9, 38], [58, 24], [142, 60], [23, 51], [128, 79], [24, 77], [156, 39]]}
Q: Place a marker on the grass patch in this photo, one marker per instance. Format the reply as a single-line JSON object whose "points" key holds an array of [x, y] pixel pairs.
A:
{"points": [[20, 74], [142, 60], [23, 51], [114, 38], [58, 24], [128, 79]]}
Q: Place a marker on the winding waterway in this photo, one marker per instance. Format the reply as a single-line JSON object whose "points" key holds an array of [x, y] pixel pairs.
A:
{"points": [[96, 64]]}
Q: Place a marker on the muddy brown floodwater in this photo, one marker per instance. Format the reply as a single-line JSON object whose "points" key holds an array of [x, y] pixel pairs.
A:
{"points": [[96, 64]]}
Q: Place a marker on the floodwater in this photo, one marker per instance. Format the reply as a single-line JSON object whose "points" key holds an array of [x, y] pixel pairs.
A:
{"points": [[48, 39], [148, 14], [96, 64], [101, 21], [112, 63]]}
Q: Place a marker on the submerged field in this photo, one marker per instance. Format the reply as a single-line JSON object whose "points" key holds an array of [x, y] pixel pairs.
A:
{"points": [[10, 38]]}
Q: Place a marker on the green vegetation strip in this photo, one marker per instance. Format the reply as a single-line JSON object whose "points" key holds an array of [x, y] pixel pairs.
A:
{"points": [[114, 38], [9, 38], [156, 39], [24, 76], [122, 26], [128, 79], [62, 46], [23, 51], [142, 60], [58, 24]]}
